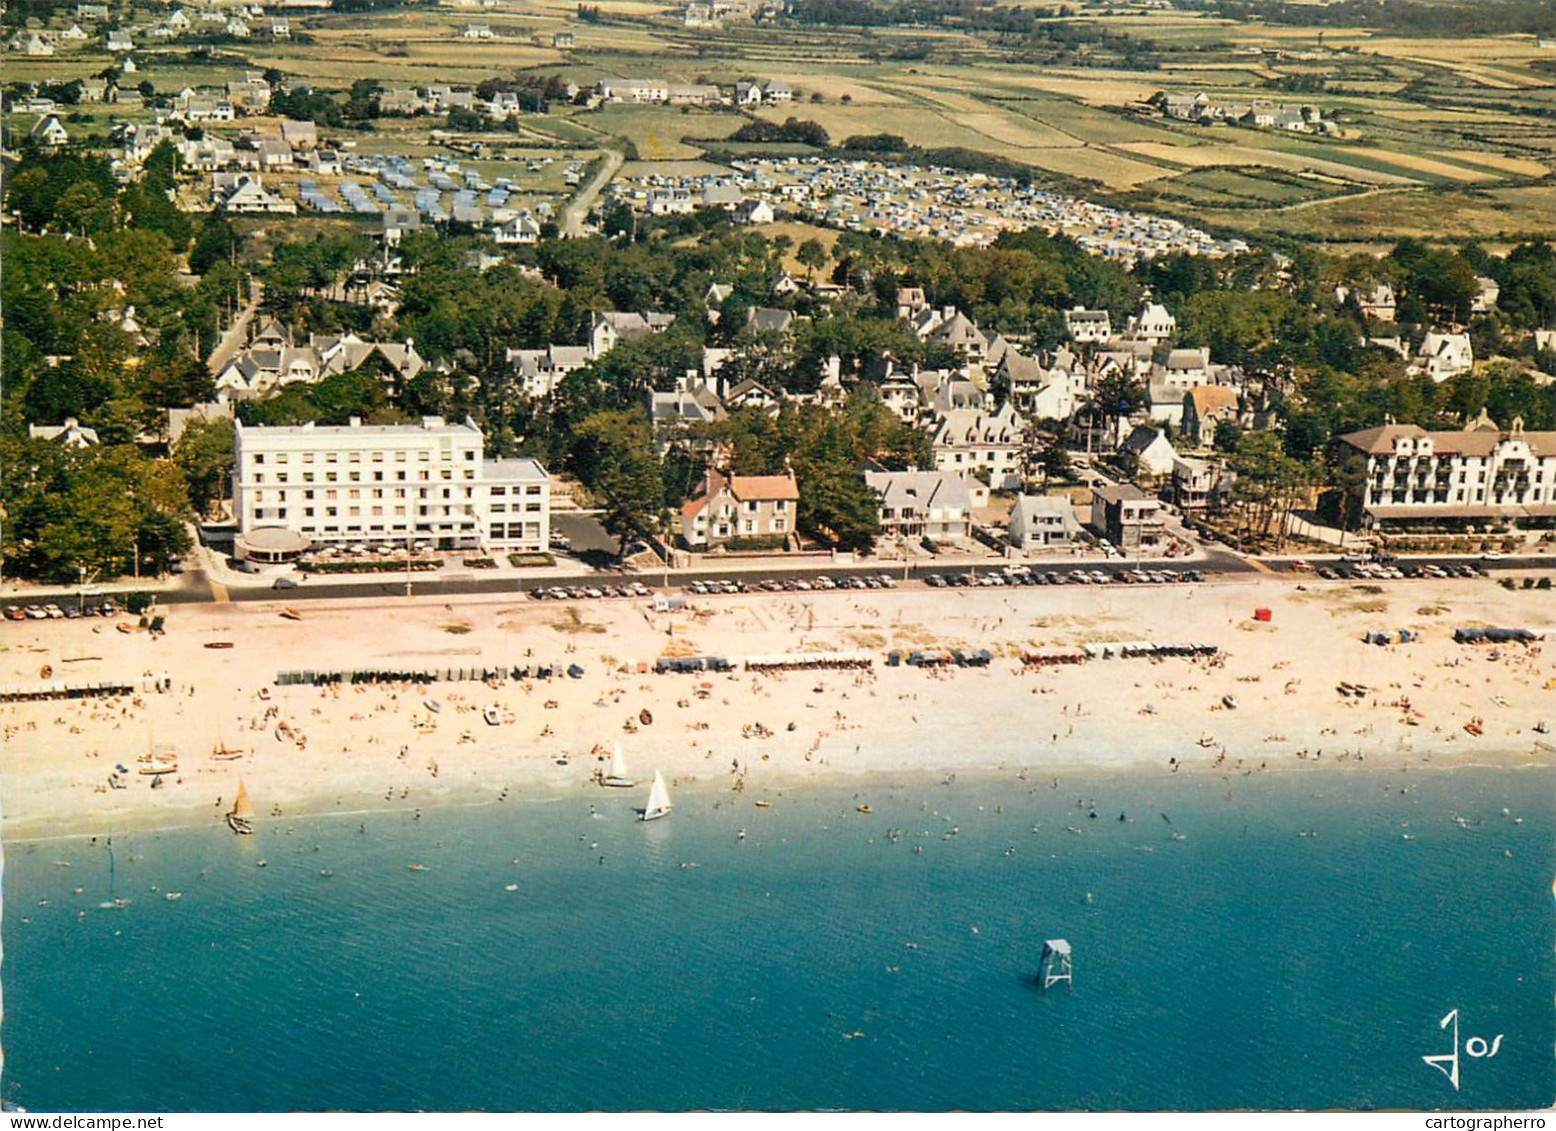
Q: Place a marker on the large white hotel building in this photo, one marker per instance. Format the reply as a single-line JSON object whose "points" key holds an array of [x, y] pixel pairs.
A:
{"points": [[1478, 475], [384, 483]]}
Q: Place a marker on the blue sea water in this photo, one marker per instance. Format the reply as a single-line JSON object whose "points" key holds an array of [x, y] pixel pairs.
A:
{"points": [[816, 963]]}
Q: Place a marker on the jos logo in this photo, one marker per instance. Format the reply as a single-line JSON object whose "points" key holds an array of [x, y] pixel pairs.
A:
{"points": [[1474, 1047]]}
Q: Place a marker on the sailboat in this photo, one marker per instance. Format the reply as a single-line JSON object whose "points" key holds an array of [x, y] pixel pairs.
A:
{"points": [[658, 800], [617, 774], [240, 816]]}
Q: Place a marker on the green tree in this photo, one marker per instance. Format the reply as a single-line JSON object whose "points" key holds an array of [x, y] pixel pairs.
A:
{"points": [[204, 453], [613, 456], [812, 256]]}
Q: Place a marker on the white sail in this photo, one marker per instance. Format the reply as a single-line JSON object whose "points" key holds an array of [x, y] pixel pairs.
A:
{"points": [[658, 799], [618, 763]]}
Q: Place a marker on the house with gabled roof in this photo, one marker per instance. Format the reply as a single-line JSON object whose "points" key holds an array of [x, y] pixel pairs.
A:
{"points": [[1442, 356], [1087, 326], [1038, 522], [1204, 408], [915, 505], [1152, 451], [49, 132], [992, 445], [729, 507], [70, 434]]}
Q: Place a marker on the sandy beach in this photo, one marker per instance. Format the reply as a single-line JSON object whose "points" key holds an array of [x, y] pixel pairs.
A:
{"points": [[313, 750]]}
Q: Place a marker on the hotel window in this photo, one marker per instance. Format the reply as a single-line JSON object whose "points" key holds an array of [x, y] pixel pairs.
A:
{"points": [[331, 457], [532, 490], [307, 477], [399, 476], [399, 457], [307, 457], [329, 512], [331, 476], [499, 508], [281, 457], [354, 457], [308, 512], [353, 512], [378, 457], [353, 493], [423, 457], [259, 477], [259, 457], [532, 508], [378, 477]]}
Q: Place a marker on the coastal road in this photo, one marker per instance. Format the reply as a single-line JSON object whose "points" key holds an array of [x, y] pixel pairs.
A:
{"points": [[195, 587], [577, 209]]}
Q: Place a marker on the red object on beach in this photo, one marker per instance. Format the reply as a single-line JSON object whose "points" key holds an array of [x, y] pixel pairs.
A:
{"points": [[1263, 614]]}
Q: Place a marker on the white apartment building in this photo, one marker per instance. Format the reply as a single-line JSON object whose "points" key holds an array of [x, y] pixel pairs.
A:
{"points": [[1478, 475], [387, 483]]}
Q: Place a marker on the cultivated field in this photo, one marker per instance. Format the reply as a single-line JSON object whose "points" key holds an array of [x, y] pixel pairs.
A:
{"points": [[1433, 135]]}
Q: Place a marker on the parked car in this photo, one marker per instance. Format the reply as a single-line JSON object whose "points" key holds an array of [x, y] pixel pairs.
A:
{"points": [[284, 583]]}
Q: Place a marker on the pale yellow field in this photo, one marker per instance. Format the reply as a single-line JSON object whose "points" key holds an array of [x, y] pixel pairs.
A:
{"points": [[671, 169], [1022, 133], [834, 87], [1200, 155], [1018, 131], [1423, 164], [1112, 169], [1519, 166]]}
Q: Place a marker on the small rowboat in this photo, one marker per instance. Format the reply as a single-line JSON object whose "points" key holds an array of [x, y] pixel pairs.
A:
{"points": [[1473, 729], [644, 717], [291, 614], [764, 804], [863, 809], [125, 626], [219, 644], [490, 715]]}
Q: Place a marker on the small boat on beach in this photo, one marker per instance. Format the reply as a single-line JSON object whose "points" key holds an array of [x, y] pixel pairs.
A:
{"points": [[491, 716], [221, 752], [161, 760], [291, 614], [218, 643], [658, 800], [125, 626], [863, 809], [433, 705], [240, 817], [617, 776], [764, 804], [1229, 702]]}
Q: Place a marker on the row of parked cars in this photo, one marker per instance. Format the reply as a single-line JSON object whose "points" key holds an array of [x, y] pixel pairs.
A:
{"points": [[588, 592], [1024, 576], [51, 611], [1364, 571]]}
